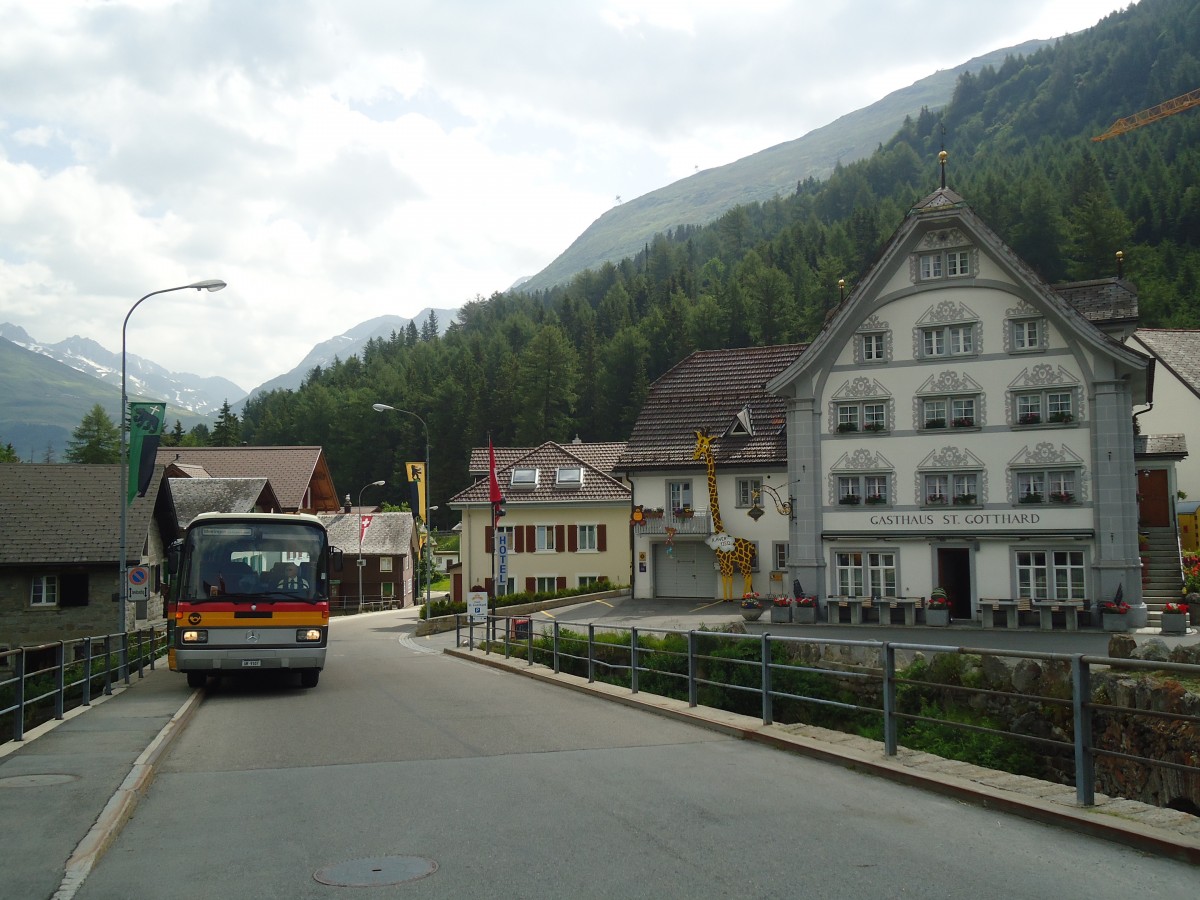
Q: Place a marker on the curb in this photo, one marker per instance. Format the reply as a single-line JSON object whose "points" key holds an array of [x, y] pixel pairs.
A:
{"points": [[1092, 821], [122, 803]]}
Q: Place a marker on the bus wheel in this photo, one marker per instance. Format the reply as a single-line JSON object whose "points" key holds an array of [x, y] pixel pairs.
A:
{"points": [[309, 677], [196, 679]]}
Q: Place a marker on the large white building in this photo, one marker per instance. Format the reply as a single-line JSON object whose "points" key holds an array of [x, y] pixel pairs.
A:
{"points": [[958, 424]]}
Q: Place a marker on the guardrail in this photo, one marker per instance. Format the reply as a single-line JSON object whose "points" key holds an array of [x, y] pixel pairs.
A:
{"points": [[762, 666], [42, 682]]}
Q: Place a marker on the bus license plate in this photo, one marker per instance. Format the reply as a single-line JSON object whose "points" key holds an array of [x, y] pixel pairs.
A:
{"points": [[251, 663]]}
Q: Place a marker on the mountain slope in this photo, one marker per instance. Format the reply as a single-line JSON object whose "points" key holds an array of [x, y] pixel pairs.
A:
{"points": [[705, 196]]}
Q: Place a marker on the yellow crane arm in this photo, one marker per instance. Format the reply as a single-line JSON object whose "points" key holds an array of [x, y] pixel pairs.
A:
{"points": [[1153, 114]]}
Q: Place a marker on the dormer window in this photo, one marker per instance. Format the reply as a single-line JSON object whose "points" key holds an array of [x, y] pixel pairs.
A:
{"points": [[525, 479], [945, 264], [568, 477]]}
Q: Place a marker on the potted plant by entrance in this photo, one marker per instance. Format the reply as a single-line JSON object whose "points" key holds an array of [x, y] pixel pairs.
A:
{"points": [[752, 607], [1174, 618], [1112, 615], [781, 609], [804, 610], [937, 610]]}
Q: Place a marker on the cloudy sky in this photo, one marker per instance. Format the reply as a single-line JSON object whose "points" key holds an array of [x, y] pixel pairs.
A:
{"points": [[337, 160]]}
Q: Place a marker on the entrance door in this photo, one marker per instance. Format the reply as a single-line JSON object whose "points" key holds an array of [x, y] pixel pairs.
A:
{"points": [[684, 570], [1154, 502], [954, 574]]}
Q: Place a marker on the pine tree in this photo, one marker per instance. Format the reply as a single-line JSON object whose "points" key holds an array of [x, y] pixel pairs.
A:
{"points": [[96, 440], [228, 430]]}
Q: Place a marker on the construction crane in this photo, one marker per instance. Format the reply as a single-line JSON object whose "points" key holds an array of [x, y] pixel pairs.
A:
{"points": [[1153, 114]]}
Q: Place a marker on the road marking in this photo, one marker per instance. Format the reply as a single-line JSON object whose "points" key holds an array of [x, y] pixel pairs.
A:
{"points": [[408, 643]]}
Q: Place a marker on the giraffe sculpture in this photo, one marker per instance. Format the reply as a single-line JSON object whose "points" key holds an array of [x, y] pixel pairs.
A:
{"points": [[730, 550]]}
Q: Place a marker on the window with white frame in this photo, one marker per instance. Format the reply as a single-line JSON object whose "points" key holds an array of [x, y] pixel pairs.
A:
{"points": [[865, 415], [948, 264], [589, 580], [872, 488], [587, 538], [679, 494], [955, 411], [860, 573], [1044, 407], [44, 591], [959, 488], [523, 478], [748, 490], [546, 584], [779, 553], [385, 564], [569, 476], [948, 340], [1026, 334], [544, 538], [1051, 574], [1047, 485], [508, 587], [874, 347]]}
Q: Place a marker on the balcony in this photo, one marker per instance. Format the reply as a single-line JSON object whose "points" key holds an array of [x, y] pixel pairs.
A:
{"points": [[699, 522]]}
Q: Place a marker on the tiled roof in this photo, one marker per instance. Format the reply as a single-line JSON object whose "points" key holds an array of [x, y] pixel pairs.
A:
{"points": [[291, 470], [61, 513], [708, 390], [602, 455], [1161, 445], [389, 534], [1102, 300], [547, 459], [1176, 348], [192, 496]]}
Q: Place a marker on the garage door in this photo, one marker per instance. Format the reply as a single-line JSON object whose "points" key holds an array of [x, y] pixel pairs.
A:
{"points": [[687, 571]]}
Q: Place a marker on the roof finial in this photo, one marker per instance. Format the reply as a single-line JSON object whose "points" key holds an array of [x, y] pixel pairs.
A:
{"points": [[1120, 264], [942, 154]]}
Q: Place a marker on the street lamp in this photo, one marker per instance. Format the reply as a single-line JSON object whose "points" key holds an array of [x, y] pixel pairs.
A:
{"points": [[383, 407], [360, 537], [212, 284]]}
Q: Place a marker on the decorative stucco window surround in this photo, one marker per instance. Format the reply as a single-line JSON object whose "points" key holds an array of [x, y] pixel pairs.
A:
{"points": [[869, 478], [861, 405], [873, 342], [947, 329], [943, 255], [951, 476], [949, 400], [1047, 475], [1044, 396], [1025, 330]]}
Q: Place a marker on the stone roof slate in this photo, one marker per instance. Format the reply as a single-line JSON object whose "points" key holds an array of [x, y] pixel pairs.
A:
{"points": [[547, 459], [1178, 349], [291, 470], [192, 496], [1160, 445], [389, 534], [708, 390], [1101, 301], [59, 513]]}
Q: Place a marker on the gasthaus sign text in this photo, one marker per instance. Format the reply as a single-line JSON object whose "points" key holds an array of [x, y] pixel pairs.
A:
{"points": [[954, 520]]}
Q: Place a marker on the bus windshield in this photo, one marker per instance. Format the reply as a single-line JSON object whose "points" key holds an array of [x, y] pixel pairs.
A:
{"points": [[267, 560]]}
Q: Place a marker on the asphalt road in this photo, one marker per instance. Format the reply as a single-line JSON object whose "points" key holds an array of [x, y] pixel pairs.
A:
{"points": [[403, 758]]}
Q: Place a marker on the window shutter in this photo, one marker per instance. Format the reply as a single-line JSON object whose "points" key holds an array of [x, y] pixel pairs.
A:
{"points": [[560, 538], [601, 537], [531, 538], [531, 585], [561, 582], [489, 586], [519, 539], [489, 540], [573, 538]]}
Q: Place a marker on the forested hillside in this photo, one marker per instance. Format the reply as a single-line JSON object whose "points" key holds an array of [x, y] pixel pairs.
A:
{"points": [[580, 358]]}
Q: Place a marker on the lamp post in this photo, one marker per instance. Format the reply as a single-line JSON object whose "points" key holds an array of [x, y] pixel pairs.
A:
{"points": [[212, 284], [361, 563], [383, 407]]}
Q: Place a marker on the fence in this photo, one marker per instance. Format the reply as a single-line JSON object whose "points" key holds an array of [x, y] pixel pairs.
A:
{"points": [[42, 682], [758, 673]]}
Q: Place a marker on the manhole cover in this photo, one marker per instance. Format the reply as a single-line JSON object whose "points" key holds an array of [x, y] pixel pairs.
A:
{"points": [[36, 780], [376, 871]]}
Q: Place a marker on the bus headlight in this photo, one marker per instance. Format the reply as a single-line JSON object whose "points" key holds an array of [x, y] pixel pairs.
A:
{"points": [[194, 636], [304, 635]]}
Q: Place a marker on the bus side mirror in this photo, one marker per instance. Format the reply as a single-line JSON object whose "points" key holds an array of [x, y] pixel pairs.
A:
{"points": [[174, 552], [335, 559]]}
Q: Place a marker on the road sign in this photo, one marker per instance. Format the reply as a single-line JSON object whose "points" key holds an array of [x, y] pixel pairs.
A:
{"points": [[138, 579], [477, 606]]}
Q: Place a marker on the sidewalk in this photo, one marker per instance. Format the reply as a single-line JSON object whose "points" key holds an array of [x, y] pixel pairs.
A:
{"points": [[68, 787], [1163, 832]]}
